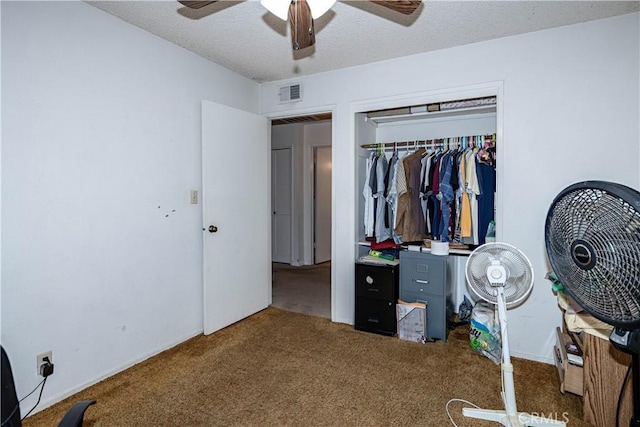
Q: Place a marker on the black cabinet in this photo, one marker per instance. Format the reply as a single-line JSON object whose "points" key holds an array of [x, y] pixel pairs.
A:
{"points": [[376, 294]]}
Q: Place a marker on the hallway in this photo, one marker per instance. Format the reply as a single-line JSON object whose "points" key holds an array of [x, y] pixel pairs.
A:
{"points": [[305, 289]]}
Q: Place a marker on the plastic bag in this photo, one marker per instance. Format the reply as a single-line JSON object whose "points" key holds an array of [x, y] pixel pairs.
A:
{"points": [[491, 232], [412, 321], [484, 332]]}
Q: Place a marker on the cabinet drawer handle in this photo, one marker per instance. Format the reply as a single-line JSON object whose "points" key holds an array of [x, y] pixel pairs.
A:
{"points": [[426, 282]]}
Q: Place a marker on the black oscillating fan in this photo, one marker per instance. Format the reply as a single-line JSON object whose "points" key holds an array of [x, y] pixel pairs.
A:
{"points": [[592, 235]]}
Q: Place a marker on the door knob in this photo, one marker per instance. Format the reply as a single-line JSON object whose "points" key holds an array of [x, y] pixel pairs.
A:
{"points": [[213, 229]]}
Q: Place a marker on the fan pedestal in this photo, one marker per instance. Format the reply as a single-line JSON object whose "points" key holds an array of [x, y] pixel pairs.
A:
{"points": [[522, 419], [510, 417]]}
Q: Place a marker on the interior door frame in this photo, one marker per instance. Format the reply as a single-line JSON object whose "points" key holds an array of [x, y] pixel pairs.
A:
{"points": [[307, 152], [309, 202]]}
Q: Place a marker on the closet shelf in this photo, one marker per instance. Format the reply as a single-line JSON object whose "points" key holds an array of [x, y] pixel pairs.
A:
{"points": [[434, 115]]}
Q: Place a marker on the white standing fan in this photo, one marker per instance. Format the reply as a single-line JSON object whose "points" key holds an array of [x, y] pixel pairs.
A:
{"points": [[502, 275]]}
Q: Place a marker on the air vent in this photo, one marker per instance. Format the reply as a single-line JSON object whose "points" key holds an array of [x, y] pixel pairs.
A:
{"points": [[292, 93]]}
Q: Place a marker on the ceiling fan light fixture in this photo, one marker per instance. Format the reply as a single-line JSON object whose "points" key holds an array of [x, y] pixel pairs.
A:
{"points": [[320, 7], [280, 8]]}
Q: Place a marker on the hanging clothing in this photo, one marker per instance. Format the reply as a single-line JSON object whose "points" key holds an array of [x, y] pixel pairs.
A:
{"points": [[368, 197], [435, 190], [381, 230], [443, 195], [457, 198], [392, 194], [417, 214], [425, 191], [465, 204], [473, 189], [405, 222], [486, 199], [446, 194]]}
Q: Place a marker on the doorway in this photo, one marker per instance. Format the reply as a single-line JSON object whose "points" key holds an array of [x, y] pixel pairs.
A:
{"points": [[322, 204], [301, 155]]}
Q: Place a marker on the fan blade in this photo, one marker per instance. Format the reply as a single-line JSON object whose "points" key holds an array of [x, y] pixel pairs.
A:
{"points": [[403, 6], [302, 33], [196, 4]]}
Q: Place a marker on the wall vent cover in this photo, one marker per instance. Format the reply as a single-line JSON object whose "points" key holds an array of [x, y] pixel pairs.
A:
{"points": [[291, 93]]}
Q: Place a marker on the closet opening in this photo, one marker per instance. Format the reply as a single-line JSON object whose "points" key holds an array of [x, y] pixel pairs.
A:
{"points": [[420, 131], [301, 188]]}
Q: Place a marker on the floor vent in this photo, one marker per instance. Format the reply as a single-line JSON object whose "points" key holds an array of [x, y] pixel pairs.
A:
{"points": [[292, 93]]}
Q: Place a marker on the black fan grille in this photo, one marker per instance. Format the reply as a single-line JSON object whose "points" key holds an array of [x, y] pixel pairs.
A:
{"points": [[593, 243]]}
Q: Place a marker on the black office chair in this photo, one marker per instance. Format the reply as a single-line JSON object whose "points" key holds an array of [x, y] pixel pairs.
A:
{"points": [[10, 410]]}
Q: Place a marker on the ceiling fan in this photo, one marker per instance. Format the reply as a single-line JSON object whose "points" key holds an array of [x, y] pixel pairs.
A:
{"points": [[301, 14]]}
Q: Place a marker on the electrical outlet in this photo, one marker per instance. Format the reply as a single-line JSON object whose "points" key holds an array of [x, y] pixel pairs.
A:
{"points": [[194, 197], [40, 360]]}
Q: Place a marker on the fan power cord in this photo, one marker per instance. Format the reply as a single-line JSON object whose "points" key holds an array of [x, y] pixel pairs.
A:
{"points": [[5, 421], [446, 408], [624, 383]]}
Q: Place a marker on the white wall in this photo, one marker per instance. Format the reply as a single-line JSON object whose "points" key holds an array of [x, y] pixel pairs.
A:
{"points": [[102, 252], [570, 113]]}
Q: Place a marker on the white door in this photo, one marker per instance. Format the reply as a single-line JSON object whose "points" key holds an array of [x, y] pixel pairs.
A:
{"points": [[322, 205], [236, 215], [281, 205]]}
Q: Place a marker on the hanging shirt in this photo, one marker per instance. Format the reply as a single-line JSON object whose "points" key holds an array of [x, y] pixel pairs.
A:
{"points": [[473, 189], [457, 198], [425, 191], [368, 197], [405, 224], [487, 175], [436, 218], [380, 230], [446, 194], [465, 206], [392, 194]]}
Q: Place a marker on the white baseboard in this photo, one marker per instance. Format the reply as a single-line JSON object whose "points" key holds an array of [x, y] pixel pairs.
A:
{"points": [[44, 404]]}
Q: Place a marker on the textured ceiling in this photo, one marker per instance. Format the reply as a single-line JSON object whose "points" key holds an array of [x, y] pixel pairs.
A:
{"points": [[244, 37]]}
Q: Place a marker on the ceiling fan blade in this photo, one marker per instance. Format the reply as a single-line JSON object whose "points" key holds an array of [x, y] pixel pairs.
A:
{"points": [[403, 6], [302, 33], [196, 4]]}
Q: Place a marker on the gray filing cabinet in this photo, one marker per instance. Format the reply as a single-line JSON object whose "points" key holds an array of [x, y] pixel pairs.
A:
{"points": [[426, 278]]}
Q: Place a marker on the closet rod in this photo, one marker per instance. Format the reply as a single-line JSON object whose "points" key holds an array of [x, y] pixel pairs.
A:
{"points": [[428, 142]]}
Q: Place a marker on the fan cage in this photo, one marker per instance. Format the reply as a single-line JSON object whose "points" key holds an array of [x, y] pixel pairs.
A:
{"points": [[519, 270], [592, 235]]}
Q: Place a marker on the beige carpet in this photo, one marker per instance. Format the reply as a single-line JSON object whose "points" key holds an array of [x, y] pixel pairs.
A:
{"points": [[279, 368], [305, 289]]}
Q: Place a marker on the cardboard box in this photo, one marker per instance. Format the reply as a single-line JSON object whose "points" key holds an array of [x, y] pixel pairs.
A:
{"points": [[571, 375]]}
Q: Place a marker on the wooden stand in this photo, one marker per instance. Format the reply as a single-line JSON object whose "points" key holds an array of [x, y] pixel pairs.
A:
{"points": [[604, 369]]}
